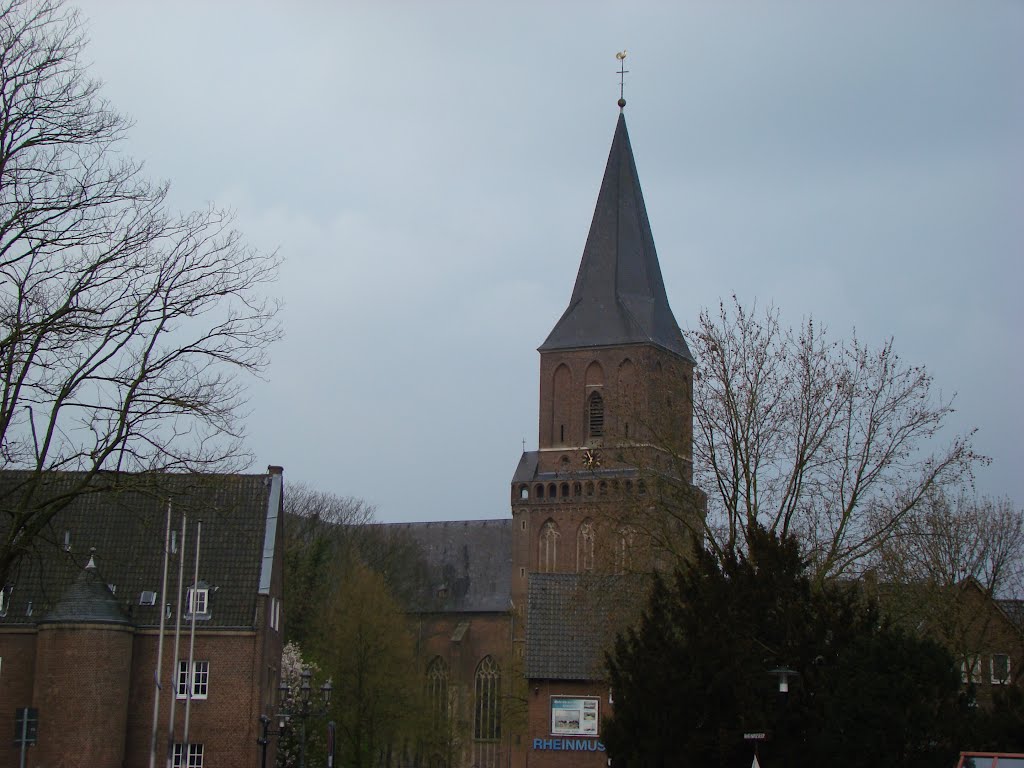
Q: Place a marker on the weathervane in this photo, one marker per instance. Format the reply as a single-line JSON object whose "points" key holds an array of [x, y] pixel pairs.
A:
{"points": [[621, 56]]}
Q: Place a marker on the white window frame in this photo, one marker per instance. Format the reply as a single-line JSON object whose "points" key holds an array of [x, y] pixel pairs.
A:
{"points": [[970, 669], [195, 756], [198, 597], [275, 614], [199, 680], [996, 679]]}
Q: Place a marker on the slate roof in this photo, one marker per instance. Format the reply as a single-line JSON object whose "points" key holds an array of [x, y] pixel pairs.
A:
{"points": [[88, 600], [619, 297], [527, 471], [573, 618], [124, 521], [468, 565]]}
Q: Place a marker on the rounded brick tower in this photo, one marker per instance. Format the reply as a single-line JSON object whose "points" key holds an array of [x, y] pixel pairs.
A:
{"points": [[83, 667]]}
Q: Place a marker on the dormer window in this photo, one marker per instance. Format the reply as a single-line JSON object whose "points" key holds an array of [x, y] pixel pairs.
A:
{"points": [[198, 603]]}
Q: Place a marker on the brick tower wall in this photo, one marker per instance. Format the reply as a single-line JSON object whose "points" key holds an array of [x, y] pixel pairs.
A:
{"points": [[81, 689]]}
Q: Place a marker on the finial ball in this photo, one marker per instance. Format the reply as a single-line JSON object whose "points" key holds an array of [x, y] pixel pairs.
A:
{"points": [[622, 103]]}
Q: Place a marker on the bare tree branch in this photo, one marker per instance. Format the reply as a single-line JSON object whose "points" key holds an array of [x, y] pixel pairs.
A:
{"points": [[126, 332], [833, 441]]}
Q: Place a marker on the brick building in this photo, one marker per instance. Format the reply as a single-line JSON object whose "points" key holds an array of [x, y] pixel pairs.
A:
{"points": [[515, 614], [80, 622]]}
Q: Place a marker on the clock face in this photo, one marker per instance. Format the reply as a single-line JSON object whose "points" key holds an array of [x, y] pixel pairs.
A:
{"points": [[591, 458]]}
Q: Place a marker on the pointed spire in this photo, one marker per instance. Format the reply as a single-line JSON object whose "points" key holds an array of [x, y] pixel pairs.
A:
{"points": [[87, 600], [619, 297]]}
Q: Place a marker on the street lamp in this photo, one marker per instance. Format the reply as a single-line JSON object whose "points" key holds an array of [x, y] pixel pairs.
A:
{"points": [[303, 709], [783, 675]]}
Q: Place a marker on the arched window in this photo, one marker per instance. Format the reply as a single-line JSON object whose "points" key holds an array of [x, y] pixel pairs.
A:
{"points": [[548, 559], [437, 690], [624, 550], [585, 547], [562, 403], [564, 490], [538, 491], [595, 415], [487, 705]]}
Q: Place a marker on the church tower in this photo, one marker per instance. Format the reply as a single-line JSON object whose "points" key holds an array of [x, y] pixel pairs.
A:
{"points": [[615, 378]]}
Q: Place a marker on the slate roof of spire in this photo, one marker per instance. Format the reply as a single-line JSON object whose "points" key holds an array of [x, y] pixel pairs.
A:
{"points": [[619, 297], [88, 600]]}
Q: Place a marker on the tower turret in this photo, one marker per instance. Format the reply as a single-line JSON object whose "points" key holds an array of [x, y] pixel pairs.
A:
{"points": [[615, 377]]}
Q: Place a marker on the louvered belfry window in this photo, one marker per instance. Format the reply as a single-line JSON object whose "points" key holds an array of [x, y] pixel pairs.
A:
{"points": [[595, 414]]}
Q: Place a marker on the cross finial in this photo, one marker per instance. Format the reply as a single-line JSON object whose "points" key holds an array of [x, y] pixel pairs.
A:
{"points": [[621, 56]]}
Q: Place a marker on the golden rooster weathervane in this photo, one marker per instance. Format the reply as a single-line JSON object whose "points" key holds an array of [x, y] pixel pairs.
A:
{"points": [[621, 56]]}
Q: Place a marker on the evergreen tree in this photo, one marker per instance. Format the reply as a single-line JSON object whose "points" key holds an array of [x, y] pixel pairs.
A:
{"points": [[696, 674]]}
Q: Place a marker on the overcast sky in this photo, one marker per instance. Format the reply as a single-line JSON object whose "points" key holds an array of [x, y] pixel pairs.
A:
{"points": [[428, 170]]}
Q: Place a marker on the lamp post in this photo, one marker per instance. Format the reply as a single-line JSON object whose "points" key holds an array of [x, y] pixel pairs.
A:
{"points": [[264, 740], [783, 675], [302, 709]]}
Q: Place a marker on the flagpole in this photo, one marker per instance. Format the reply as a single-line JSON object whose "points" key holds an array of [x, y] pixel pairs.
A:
{"points": [[160, 642], [177, 639]]}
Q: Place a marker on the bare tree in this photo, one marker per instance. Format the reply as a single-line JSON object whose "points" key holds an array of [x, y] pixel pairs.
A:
{"points": [[833, 441], [955, 556], [955, 536], [125, 330]]}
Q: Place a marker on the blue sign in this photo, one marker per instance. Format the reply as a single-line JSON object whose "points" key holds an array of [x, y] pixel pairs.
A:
{"points": [[569, 745]]}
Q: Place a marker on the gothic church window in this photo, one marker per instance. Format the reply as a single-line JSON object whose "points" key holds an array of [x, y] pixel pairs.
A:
{"points": [[487, 706], [624, 550], [548, 559], [437, 690], [585, 547]]}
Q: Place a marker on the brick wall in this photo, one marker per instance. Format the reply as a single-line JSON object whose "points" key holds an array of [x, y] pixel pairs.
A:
{"points": [[81, 689], [554, 751], [226, 722], [487, 634], [17, 671]]}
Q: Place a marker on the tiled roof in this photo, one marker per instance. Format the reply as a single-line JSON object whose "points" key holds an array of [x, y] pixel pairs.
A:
{"points": [[467, 565], [1014, 609], [573, 618], [125, 524]]}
